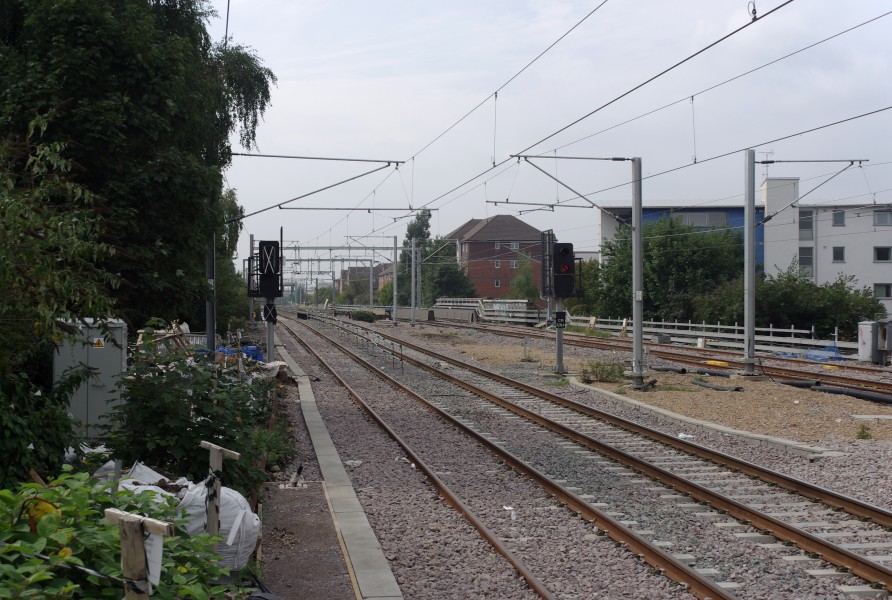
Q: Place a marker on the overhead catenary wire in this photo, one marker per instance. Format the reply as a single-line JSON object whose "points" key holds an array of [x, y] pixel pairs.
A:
{"points": [[739, 150], [655, 77], [726, 81], [512, 78], [328, 187]]}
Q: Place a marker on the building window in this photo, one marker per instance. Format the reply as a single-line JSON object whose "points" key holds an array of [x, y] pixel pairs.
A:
{"points": [[882, 217], [839, 254], [498, 283], [839, 217], [498, 264], [806, 225], [498, 245], [514, 245], [882, 290], [806, 261], [882, 254], [513, 264], [704, 219]]}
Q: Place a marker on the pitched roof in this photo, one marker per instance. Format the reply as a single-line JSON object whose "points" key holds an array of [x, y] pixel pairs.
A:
{"points": [[499, 228]]}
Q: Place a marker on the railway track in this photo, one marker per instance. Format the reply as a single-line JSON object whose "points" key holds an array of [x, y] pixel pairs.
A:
{"points": [[791, 510], [821, 374]]}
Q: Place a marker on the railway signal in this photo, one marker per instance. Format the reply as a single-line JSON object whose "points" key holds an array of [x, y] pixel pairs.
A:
{"points": [[564, 270]]}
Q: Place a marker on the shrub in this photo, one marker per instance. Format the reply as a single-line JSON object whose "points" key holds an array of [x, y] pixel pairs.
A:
{"points": [[364, 316], [602, 371], [171, 403], [49, 531]]}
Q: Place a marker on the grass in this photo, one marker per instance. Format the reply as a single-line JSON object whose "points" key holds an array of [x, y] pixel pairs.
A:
{"points": [[676, 388], [596, 370], [562, 382], [588, 331], [864, 433]]}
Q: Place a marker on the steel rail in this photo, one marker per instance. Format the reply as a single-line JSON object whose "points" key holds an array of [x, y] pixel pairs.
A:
{"points": [[858, 565], [699, 585], [852, 505], [698, 359], [451, 498]]}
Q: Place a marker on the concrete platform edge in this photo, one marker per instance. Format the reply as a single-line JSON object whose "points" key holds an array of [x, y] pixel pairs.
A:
{"points": [[373, 575]]}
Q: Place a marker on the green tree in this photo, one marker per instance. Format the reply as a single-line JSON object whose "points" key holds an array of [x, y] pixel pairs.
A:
{"points": [[419, 229], [385, 294], [146, 104], [524, 283], [680, 263], [792, 299], [51, 244], [442, 277], [587, 304], [231, 291]]}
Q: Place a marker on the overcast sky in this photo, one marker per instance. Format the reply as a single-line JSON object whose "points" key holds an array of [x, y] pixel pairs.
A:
{"points": [[382, 80]]}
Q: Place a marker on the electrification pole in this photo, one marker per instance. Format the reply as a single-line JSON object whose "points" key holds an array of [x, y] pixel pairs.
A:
{"points": [[637, 279], [413, 282], [749, 255]]}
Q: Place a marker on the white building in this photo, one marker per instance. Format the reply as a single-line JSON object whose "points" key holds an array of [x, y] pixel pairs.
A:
{"points": [[828, 239]]}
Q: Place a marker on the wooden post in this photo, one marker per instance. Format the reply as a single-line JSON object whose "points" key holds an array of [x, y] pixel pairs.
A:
{"points": [[134, 565], [217, 453]]}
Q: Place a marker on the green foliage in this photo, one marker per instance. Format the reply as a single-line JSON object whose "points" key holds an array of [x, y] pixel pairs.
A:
{"points": [[35, 426], [171, 403], [231, 291], [791, 299], [364, 316], [49, 531], [602, 371], [385, 294], [680, 263], [864, 433], [146, 105], [443, 278], [562, 382], [355, 292], [51, 242], [587, 304], [524, 285], [419, 229]]}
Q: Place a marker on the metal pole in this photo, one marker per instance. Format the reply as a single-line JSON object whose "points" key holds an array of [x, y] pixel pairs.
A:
{"points": [[332, 280], [418, 280], [251, 299], [270, 334], [637, 279], [395, 261], [371, 282], [413, 282], [749, 255], [210, 317], [559, 338]]}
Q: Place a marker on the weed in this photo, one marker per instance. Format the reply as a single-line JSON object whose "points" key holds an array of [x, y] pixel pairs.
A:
{"points": [[602, 371], [864, 433], [675, 388], [562, 382]]}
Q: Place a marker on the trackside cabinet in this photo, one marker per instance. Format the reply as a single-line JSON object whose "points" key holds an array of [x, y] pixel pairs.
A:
{"points": [[108, 357]]}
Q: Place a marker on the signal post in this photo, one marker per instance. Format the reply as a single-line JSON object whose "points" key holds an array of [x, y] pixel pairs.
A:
{"points": [[563, 285]]}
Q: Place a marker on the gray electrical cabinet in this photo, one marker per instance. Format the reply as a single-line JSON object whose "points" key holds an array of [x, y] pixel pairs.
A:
{"points": [[108, 359]]}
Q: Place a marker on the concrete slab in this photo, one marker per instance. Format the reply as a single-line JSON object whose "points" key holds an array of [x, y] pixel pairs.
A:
{"points": [[364, 557]]}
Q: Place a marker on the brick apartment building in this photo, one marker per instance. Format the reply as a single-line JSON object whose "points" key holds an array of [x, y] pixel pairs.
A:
{"points": [[490, 250]]}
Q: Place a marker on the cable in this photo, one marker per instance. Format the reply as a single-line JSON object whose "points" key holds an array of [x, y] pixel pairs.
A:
{"points": [[512, 78], [658, 75], [726, 81], [726, 154]]}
